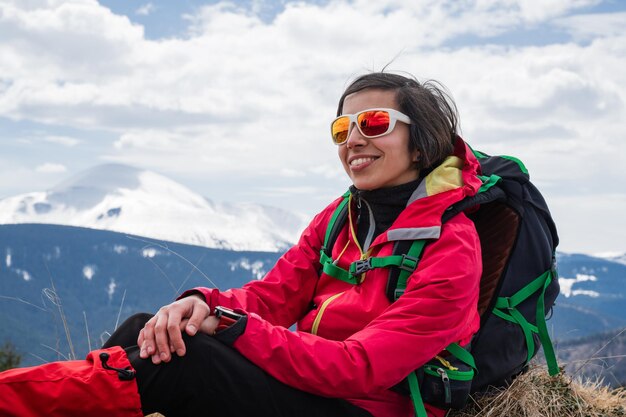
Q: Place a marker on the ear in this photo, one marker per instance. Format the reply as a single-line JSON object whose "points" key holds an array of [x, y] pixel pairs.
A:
{"points": [[416, 156]]}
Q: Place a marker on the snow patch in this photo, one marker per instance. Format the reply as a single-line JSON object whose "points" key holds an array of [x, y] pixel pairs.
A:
{"points": [[150, 252], [255, 267], [593, 294], [120, 249], [56, 254], [617, 257], [111, 289], [567, 284], [26, 276], [89, 271]]}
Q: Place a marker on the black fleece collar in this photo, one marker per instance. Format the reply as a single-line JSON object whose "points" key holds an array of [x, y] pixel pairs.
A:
{"points": [[385, 204]]}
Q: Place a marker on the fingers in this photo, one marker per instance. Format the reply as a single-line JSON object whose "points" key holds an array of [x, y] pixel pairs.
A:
{"points": [[162, 334], [162, 337], [149, 337], [154, 340], [146, 340], [199, 313]]}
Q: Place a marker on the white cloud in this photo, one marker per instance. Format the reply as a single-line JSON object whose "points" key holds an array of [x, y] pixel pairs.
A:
{"points": [[292, 173], [146, 9], [587, 219], [51, 168], [238, 95], [538, 10], [588, 27], [63, 140]]}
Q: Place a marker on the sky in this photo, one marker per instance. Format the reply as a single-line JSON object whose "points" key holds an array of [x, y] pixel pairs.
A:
{"points": [[234, 99]]}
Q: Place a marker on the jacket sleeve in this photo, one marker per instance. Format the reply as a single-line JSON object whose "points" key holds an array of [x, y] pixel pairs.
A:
{"points": [[438, 307], [285, 293]]}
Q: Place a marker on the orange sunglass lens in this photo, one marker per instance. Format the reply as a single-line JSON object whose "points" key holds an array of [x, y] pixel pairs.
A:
{"points": [[373, 123], [340, 129]]}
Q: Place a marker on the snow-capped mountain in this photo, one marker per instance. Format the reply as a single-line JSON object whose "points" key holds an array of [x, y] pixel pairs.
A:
{"points": [[592, 295], [619, 257], [125, 199]]}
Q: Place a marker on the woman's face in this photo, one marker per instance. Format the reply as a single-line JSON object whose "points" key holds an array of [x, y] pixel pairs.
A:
{"points": [[381, 162]]}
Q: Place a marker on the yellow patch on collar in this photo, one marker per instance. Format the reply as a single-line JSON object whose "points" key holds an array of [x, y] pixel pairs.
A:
{"points": [[446, 177]]}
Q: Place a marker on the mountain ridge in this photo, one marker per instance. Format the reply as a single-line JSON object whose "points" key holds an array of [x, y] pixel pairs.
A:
{"points": [[101, 277], [126, 199]]}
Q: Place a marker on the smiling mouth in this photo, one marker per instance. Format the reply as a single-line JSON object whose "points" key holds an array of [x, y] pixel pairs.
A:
{"points": [[361, 161]]}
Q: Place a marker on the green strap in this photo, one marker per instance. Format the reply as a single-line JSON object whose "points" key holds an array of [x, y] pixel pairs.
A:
{"points": [[509, 304], [478, 154], [328, 267], [414, 254], [521, 295], [333, 219], [544, 336], [406, 263], [335, 271], [519, 163], [456, 350], [488, 181], [402, 261], [416, 396], [528, 329], [462, 354]]}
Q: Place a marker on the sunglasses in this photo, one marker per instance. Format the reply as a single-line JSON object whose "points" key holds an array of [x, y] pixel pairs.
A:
{"points": [[372, 123]]}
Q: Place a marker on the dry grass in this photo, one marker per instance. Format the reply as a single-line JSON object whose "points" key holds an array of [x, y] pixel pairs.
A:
{"points": [[536, 394]]}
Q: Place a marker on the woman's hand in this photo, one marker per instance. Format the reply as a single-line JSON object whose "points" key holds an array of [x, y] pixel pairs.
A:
{"points": [[162, 334]]}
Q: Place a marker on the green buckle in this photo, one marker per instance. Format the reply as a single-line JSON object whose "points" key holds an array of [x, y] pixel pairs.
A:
{"points": [[409, 263]]}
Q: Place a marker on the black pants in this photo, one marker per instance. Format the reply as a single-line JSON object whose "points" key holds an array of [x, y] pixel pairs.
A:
{"points": [[213, 379]]}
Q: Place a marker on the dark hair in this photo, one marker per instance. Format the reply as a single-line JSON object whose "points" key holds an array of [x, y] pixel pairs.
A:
{"points": [[433, 113]]}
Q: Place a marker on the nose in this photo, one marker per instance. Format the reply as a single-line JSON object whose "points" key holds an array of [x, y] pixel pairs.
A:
{"points": [[355, 138]]}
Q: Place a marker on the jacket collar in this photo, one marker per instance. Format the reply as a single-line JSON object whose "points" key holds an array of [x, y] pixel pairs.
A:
{"points": [[447, 184]]}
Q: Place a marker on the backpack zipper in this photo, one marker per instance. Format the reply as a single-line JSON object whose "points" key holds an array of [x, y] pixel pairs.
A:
{"points": [[446, 385]]}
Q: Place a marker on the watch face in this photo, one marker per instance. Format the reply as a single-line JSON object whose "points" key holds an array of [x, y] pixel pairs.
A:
{"points": [[226, 312]]}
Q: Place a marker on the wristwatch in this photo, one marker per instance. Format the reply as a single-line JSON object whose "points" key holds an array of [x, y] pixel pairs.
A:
{"points": [[226, 316]]}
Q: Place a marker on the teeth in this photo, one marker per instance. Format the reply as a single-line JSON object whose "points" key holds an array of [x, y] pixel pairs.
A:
{"points": [[360, 161]]}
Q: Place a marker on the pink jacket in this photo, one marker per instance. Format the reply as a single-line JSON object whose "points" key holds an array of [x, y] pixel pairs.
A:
{"points": [[351, 342]]}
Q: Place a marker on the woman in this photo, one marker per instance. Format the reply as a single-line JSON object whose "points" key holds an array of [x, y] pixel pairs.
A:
{"points": [[231, 353]]}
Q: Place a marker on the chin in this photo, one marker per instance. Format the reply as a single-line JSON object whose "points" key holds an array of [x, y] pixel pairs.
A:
{"points": [[364, 185]]}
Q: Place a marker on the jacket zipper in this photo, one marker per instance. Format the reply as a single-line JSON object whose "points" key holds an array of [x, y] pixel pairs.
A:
{"points": [[318, 318], [365, 252], [364, 255]]}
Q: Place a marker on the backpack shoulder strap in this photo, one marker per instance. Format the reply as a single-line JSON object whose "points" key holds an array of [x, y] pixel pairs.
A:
{"points": [[337, 220], [336, 223], [411, 252]]}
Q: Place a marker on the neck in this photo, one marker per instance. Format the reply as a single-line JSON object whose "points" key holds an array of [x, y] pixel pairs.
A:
{"points": [[378, 209]]}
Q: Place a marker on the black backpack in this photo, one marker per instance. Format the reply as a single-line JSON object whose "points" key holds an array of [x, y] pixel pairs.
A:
{"points": [[518, 286]]}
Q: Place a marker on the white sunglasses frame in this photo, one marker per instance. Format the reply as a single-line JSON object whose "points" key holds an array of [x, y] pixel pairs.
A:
{"points": [[394, 116]]}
